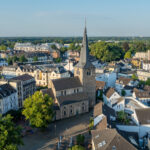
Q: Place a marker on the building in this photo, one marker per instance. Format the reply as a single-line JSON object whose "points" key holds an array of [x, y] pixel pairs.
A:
{"points": [[109, 139], [142, 96], [85, 71], [25, 86], [100, 120], [8, 98], [143, 75], [126, 84], [76, 94], [143, 55], [9, 71], [110, 97], [146, 65]]}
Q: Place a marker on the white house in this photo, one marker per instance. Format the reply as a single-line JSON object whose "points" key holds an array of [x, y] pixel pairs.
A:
{"points": [[109, 78], [8, 98], [142, 96], [119, 105], [126, 84], [142, 119], [110, 97]]}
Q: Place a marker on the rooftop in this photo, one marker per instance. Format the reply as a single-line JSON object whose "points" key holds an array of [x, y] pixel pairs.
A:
{"points": [[66, 83]]}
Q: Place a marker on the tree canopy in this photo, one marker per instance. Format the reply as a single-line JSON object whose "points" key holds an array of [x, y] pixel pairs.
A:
{"points": [[106, 51], [77, 147], [10, 134], [38, 109], [127, 55]]}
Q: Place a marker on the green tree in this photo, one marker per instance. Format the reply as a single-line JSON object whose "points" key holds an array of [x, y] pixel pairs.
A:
{"points": [[58, 60], [22, 59], [35, 58], [10, 134], [53, 46], [123, 92], [77, 147], [127, 55], [10, 61], [134, 77], [3, 47], [106, 51], [38, 109], [148, 81], [80, 139], [15, 59], [72, 46], [125, 46], [122, 116]]}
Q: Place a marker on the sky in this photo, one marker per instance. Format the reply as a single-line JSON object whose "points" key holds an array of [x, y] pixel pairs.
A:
{"points": [[67, 17]]}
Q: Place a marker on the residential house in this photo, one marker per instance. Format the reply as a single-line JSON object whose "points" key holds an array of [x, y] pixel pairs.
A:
{"points": [[142, 96], [143, 75], [9, 71], [126, 84], [100, 120], [109, 139]]}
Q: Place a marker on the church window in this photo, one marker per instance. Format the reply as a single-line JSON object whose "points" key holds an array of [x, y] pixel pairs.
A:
{"points": [[77, 90]]}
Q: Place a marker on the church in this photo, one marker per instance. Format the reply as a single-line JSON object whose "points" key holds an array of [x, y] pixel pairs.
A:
{"points": [[75, 95]]}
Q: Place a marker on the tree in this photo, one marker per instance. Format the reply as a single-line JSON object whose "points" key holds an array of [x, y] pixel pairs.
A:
{"points": [[3, 47], [125, 46], [122, 116], [58, 60], [35, 58], [15, 59], [22, 59], [10, 134], [106, 51], [80, 139], [38, 109], [123, 92], [53, 46], [148, 81], [134, 77], [127, 55], [9, 61], [77, 147]]}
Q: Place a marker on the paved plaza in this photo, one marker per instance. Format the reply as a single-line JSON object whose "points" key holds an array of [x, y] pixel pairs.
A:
{"points": [[66, 128]]}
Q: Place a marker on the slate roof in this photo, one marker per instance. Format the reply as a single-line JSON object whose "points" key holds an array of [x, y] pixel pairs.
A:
{"points": [[6, 90], [124, 80], [109, 92], [108, 139], [142, 94], [66, 83], [73, 98], [97, 109], [143, 115], [24, 77], [84, 55]]}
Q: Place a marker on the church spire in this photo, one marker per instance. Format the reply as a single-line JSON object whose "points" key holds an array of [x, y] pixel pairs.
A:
{"points": [[84, 54]]}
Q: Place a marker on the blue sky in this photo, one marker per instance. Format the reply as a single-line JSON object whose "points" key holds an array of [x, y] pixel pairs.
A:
{"points": [[66, 17]]}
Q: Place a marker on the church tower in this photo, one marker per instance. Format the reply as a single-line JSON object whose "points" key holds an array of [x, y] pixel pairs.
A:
{"points": [[86, 71]]}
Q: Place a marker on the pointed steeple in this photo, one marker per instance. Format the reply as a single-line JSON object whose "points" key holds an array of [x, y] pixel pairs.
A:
{"points": [[84, 54]]}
